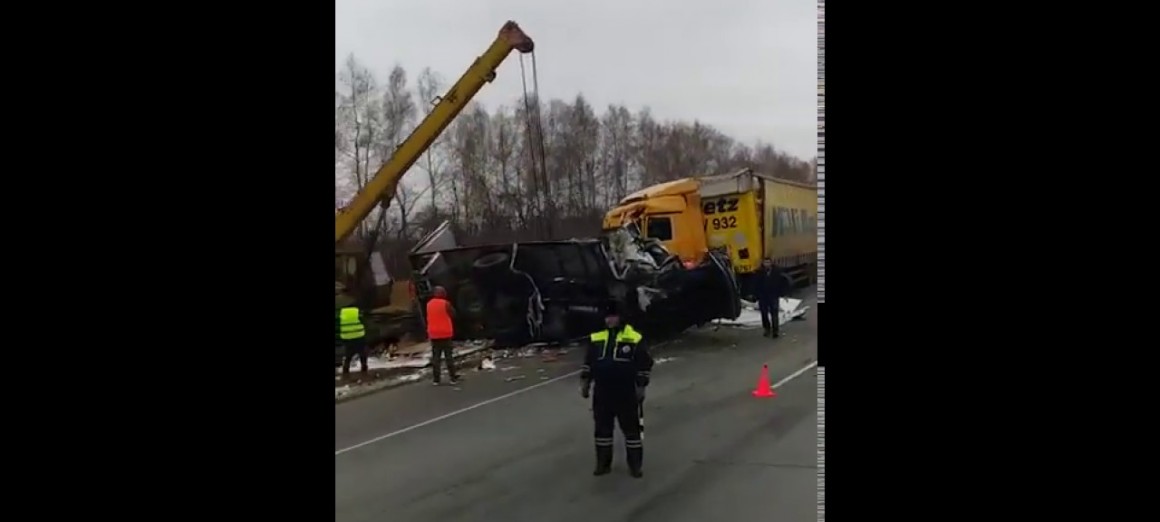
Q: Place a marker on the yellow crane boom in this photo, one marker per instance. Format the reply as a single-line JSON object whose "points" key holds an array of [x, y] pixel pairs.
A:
{"points": [[382, 186]]}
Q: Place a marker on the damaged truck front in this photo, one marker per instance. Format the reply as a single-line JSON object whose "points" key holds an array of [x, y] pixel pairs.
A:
{"points": [[555, 291]]}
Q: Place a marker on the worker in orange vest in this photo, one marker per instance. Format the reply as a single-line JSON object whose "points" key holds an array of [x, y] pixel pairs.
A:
{"points": [[440, 331]]}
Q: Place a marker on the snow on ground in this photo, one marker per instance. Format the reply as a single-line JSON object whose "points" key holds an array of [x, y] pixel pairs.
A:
{"points": [[532, 350], [751, 318], [360, 389], [418, 360], [411, 368]]}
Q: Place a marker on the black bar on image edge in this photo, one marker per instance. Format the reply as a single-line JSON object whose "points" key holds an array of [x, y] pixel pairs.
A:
{"points": [[821, 345]]}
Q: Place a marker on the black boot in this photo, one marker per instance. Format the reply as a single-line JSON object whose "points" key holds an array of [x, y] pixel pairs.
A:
{"points": [[635, 457], [603, 460]]}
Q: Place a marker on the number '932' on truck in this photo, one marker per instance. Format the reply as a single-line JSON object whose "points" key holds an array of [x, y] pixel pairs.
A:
{"points": [[747, 214]]}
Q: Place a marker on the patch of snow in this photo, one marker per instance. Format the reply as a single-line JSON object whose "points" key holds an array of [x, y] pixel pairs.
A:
{"points": [[750, 317], [531, 350], [358, 389], [419, 360], [515, 352], [663, 360]]}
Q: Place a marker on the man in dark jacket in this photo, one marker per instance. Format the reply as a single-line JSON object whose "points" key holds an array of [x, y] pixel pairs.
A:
{"points": [[771, 285]]}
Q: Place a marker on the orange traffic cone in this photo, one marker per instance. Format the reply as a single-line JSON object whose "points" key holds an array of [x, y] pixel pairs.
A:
{"points": [[764, 389]]}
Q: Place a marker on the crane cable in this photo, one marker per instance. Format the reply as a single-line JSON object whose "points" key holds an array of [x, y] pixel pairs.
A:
{"points": [[535, 127]]}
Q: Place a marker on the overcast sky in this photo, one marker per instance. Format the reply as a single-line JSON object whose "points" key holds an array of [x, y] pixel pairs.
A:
{"points": [[747, 67]]}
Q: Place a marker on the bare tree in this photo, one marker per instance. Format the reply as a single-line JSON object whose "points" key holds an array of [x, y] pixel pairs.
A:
{"points": [[582, 143], [527, 171], [503, 140], [742, 156], [617, 141], [531, 167], [469, 159], [406, 202], [429, 85], [559, 178], [357, 122], [398, 114]]}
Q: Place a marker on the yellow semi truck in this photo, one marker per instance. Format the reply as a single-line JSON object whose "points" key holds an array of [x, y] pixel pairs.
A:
{"points": [[748, 214]]}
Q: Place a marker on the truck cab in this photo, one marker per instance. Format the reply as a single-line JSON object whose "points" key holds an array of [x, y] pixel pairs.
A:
{"points": [[744, 214], [670, 213]]}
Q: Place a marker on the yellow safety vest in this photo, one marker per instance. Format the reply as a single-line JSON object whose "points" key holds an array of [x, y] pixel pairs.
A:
{"points": [[349, 327], [626, 335]]}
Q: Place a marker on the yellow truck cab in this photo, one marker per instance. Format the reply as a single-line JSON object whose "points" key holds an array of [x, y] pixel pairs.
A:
{"points": [[748, 214]]}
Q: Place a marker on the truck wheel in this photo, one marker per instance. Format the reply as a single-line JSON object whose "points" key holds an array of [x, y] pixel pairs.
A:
{"points": [[490, 261]]}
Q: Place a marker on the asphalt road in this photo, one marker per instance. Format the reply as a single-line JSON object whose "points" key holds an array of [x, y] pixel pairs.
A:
{"points": [[712, 452]]}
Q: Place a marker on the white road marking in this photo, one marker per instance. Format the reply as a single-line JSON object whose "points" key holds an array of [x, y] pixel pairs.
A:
{"points": [[427, 422], [795, 375], [456, 412]]}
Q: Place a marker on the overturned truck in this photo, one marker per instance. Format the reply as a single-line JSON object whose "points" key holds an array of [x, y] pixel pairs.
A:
{"points": [[555, 291]]}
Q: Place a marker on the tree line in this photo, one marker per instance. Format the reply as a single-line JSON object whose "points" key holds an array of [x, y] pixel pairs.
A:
{"points": [[530, 170]]}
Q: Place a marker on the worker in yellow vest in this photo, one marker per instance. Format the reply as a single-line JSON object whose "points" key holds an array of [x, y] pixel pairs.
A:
{"points": [[354, 338]]}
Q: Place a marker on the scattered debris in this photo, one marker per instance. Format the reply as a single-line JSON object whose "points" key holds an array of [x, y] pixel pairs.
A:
{"points": [[406, 367], [416, 359]]}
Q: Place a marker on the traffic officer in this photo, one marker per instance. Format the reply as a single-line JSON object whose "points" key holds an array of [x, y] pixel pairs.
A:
{"points": [[619, 364], [353, 334]]}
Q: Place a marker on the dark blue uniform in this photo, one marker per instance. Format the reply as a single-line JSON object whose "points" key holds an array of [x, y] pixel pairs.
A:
{"points": [[771, 286], [619, 364]]}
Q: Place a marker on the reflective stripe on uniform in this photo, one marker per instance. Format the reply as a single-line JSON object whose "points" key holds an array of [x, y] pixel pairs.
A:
{"points": [[628, 334], [349, 325]]}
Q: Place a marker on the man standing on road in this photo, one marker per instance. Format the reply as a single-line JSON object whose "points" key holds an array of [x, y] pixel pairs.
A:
{"points": [[620, 365], [353, 334], [771, 285], [440, 331]]}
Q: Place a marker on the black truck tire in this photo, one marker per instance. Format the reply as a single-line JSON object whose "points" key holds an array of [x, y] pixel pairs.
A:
{"points": [[491, 261]]}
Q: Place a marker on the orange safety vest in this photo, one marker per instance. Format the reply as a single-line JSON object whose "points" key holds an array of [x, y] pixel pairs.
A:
{"points": [[438, 320]]}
